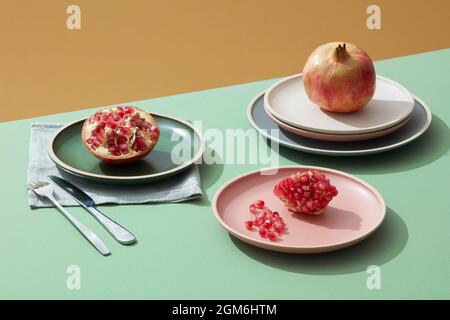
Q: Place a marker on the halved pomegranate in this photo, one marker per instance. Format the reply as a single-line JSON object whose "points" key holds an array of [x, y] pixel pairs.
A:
{"points": [[120, 135], [309, 192]]}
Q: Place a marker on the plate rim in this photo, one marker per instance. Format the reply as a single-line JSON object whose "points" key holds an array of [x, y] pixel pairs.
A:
{"points": [[85, 174], [367, 130], [381, 132], [298, 249], [340, 152]]}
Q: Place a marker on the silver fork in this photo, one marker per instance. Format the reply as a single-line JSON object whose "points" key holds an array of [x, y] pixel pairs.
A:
{"points": [[45, 189]]}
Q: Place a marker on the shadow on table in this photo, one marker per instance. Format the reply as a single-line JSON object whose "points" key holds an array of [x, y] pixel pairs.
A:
{"points": [[209, 174], [432, 145], [382, 246]]}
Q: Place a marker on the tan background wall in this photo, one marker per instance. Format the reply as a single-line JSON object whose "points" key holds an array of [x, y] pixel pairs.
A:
{"points": [[130, 50]]}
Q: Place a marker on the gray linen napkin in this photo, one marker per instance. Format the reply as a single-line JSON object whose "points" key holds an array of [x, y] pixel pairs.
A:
{"points": [[181, 187]]}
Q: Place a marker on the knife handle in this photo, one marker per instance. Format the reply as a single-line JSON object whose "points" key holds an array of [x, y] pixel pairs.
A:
{"points": [[119, 233]]}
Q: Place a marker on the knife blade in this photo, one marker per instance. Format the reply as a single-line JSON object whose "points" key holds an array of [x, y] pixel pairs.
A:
{"points": [[119, 233]]}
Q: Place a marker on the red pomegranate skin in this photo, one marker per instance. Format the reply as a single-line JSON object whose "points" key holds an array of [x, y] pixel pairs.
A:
{"points": [[339, 77]]}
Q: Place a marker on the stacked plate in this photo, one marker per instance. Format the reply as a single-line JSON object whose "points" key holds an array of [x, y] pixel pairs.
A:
{"points": [[392, 118]]}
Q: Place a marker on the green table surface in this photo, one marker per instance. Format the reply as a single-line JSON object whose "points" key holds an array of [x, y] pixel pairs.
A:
{"points": [[184, 253]]}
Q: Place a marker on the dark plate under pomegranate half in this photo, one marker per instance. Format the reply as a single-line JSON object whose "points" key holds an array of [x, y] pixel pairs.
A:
{"points": [[120, 135]]}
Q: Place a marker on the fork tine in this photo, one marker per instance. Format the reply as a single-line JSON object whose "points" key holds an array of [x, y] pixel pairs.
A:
{"points": [[31, 185], [37, 185]]}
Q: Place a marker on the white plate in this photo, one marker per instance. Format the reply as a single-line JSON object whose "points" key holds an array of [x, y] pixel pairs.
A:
{"points": [[336, 137], [287, 101], [418, 123]]}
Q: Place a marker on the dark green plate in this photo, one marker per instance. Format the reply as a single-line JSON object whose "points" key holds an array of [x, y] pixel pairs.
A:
{"points": [[69, 154]]}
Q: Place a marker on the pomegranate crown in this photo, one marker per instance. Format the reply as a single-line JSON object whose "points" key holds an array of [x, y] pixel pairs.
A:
{"points": [[340, 53]]}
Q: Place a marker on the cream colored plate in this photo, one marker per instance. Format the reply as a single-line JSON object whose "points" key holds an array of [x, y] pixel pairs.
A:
{"points": [[336, 137], [287, 101]]}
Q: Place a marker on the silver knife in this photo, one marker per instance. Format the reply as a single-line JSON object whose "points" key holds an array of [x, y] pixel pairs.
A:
{"points": [[117, 231]]}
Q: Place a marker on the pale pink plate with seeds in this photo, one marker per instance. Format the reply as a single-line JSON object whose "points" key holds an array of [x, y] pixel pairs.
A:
{"points": [[354, 214]]}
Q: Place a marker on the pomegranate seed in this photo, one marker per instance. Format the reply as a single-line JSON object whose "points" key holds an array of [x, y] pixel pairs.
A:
{"points": [[267, 224], [140, 144], [270, 224], [263, 232], [279, 226], [125, 131], [111, 124], [113, 149], [156, 133], [272, 235], [304, 179], [123, 147], [259, 221], [128, 110], [259, 204], [121, 139]]}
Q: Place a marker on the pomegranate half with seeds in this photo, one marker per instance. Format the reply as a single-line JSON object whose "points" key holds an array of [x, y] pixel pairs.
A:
{"points": [[120, 135], [306, 192]]}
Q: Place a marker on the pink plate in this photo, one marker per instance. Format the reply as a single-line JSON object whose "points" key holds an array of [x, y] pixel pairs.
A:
{"points": [[336, 137], [355, 213]]}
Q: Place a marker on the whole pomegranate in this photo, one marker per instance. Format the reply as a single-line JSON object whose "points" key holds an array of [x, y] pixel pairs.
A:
{"points": [[339, 77], [120, 135], [306, 192]]}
